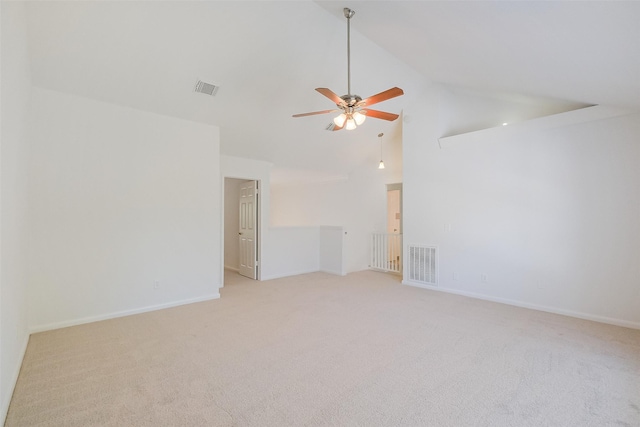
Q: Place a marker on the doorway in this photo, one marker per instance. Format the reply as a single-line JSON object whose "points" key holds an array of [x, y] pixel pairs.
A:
{"points": [[394, 208], [241, 227], [394, 226]]}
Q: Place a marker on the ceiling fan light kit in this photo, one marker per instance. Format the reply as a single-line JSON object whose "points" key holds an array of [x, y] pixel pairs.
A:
{"points": [[353, 109]]}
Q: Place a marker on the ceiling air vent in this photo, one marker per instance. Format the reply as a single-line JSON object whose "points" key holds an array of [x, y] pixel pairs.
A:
{"points": [[206, 88]]}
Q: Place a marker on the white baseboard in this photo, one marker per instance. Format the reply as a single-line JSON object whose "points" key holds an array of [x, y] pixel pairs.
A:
{"points": [[397, 273], [554, 310], [288, 274], [228, 267], [74, 322], [13, 381], [337, 273]]}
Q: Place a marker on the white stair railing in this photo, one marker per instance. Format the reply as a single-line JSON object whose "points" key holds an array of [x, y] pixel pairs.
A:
{"points": [[386, 252]]}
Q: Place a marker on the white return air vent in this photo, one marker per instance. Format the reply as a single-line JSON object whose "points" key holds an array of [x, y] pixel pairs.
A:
{"points": [[422, 263], [206, 88]]}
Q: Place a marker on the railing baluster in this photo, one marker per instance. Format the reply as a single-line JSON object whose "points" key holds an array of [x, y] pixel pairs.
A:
{"points": [[386, 252]]}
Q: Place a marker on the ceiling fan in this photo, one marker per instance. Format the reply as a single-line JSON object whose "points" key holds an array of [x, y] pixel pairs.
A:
{"points": [[353, 109]]}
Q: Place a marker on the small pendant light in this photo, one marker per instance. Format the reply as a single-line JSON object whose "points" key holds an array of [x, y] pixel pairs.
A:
{"points": [[381, 165]]}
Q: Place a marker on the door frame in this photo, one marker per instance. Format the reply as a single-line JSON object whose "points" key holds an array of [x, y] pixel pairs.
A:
{"points": [[258, 225], [392, 187]]}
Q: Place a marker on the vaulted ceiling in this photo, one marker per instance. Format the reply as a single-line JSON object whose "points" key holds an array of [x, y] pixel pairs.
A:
{"points": [[268, 56]]}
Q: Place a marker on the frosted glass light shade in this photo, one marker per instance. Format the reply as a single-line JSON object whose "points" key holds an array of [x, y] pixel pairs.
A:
{"points": [[381, 165], [359, 118], [351, 124], [339, 121]]}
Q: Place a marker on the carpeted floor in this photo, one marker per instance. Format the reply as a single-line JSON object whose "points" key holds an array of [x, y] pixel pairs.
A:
{"points": [[317, 349]]}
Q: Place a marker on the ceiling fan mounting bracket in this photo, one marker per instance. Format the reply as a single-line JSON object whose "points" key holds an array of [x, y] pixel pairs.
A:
{"points": [[348, 13]]}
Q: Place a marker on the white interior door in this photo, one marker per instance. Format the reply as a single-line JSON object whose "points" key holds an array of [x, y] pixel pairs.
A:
{"points": [[247, 232]]}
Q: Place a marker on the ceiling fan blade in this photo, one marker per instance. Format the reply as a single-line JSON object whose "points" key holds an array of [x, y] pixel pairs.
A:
{"points": [[380, 114], [314, 113], [382, 96], [331, 95]]}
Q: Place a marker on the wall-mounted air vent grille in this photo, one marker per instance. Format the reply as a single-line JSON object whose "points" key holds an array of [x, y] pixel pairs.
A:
{"points": [[206, 88], [422, 264]]}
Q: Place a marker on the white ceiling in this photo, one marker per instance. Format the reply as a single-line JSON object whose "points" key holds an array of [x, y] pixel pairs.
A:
{"points": [[268, 56], [584, 51]]}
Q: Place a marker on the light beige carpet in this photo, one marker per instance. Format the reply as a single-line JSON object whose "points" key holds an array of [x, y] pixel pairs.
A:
{"points": [[318, 350]]}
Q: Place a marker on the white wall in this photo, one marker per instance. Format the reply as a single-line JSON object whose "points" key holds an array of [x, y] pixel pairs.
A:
{"points": [[231, 222], [283, 251], [551, 217], [121, 202], [332, 254], [16, 87], [299, 250], [359, 203], [291, 251]]}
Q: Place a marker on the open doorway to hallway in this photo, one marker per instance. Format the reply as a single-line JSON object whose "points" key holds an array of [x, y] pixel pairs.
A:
{"points": [[394, 208], [241, 232], [394, 228]]}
